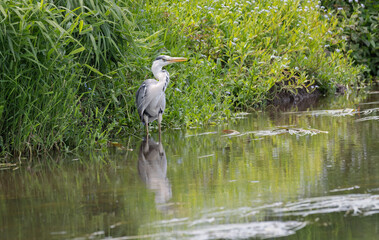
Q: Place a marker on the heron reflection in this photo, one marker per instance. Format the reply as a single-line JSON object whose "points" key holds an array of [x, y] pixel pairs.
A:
{"points": [[152, 168]]}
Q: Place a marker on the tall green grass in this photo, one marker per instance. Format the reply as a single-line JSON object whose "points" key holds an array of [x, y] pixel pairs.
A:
{"points": [[59, 63], [69, 69]]}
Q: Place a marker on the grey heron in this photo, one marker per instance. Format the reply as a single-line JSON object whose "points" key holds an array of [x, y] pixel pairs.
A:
{"points": [[150, 97]]}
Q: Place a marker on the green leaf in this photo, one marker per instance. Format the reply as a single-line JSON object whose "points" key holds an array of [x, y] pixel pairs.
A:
{"points": [[81, 26], [94, 69], [3, 11], [78, 50]]}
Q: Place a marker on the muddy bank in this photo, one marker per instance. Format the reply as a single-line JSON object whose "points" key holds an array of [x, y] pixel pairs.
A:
{"points": [[302, 98], [283, 96]]}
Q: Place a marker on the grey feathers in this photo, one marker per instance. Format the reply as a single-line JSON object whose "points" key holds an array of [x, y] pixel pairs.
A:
{"points": [[150, 99]]}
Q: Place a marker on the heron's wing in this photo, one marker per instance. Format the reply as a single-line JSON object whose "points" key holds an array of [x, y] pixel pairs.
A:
{"points": [[162, 102], [145, 95], [155, 101]]}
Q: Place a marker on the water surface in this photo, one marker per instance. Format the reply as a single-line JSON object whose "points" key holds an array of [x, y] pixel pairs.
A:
{"points": [[302, 173]]}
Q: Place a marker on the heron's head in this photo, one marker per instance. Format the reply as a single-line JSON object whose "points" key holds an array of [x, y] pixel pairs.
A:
{"points": [[164, 60]]}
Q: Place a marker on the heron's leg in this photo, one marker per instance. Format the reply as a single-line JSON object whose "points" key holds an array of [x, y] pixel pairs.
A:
{"points": [[146, 120], [146, 147], [160, 148], [159, 125]]}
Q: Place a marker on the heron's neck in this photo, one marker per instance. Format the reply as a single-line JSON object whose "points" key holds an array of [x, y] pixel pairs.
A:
{"points": [[162, 76]]}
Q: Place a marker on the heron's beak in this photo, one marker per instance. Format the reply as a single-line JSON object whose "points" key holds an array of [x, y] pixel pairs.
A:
{"points": [[177, 59]]}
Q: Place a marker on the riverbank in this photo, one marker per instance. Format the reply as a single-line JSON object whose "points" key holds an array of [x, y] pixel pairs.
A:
{"points": [[69, 72]]}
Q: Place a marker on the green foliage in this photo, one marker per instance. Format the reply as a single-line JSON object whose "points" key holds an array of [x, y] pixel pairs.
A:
{"points": [[241, 48], [70, 69], [360, 29], [58, 67]]}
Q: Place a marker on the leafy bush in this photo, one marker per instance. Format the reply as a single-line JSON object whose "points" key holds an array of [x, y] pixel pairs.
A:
{"points": [[242, 48], [361, 30]]}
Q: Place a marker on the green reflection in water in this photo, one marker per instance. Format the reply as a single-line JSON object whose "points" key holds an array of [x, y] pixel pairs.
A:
{"points": [[205, 178]]}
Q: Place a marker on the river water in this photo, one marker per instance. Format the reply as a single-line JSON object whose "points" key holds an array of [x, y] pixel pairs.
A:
{"points": [[308, 172]]}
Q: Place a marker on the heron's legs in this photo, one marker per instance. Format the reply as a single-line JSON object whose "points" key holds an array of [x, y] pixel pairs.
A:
{"points": [[159, 125]]}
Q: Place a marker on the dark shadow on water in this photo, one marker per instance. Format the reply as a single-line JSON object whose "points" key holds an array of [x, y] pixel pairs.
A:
{"points": [[152, 168], [292, 103]]}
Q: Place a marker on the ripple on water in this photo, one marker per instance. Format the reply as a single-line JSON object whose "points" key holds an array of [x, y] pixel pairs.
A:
{"points": [[217, 223]]}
